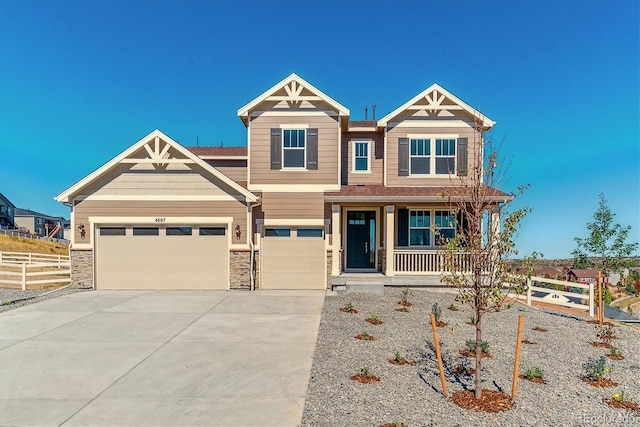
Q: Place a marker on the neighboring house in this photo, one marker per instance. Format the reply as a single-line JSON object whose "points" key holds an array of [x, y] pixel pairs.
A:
{"points": [[312, 198], [550, 272], [39, 224], [582, 275], [7, 212]]}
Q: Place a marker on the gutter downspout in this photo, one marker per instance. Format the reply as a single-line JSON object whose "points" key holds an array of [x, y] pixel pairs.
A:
{"points": [[252, 278]]}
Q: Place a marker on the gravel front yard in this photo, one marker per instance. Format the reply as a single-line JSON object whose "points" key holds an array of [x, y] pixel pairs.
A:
{"points": [[14, 298], [412, 394]]}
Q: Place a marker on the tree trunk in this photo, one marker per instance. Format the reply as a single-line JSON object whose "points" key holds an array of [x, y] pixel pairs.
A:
{"points": [[478, 390]]}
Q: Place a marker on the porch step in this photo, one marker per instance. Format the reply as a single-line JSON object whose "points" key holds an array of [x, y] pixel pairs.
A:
{"points": [[364, 288]]}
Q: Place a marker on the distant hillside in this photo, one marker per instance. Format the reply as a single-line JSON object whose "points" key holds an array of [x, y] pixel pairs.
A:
{"points": [[565, 262], [17, 244]]}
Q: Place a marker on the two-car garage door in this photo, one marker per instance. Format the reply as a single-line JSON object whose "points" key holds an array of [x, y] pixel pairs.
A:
{"points": [[162, 257]]}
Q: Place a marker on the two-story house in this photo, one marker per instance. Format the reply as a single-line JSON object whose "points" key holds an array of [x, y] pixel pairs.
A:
{"points": [[312, 198], [39, 224]]}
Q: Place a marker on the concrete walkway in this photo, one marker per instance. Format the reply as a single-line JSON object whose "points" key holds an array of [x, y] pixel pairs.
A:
{"points": [[125, 358]]}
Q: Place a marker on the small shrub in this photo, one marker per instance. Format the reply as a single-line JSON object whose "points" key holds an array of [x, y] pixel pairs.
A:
{"points": [[533, 373], [364, 370], [606, 333], [374, 317], [472, 319], [471, 346], [453, 307], [614, 351], [398, 357], [437, 311], [596, 369]]}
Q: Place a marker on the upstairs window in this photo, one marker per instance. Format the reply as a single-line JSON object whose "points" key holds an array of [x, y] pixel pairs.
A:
{"points": [[361, 156], [420, 156], [445, 156], [293, 148]]}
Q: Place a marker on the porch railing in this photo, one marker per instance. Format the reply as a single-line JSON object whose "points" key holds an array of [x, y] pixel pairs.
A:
{"points": [[412, 261]]}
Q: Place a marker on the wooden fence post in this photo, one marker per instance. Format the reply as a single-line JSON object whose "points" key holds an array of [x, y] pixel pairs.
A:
{"points": [[591, 302], [600, 304], [516, 366], [24, 276], [438, 354]]}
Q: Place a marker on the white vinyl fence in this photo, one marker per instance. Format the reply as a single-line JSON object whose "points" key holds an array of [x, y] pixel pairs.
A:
{"points": [[572, 295], [29, 269]]}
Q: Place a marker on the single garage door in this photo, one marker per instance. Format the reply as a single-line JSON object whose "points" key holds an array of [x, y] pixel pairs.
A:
{"points": [[293, 258], [166, 257]]}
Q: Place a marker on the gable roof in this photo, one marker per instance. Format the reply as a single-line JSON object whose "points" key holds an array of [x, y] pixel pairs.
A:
{"points": [[294, 85], [6, 201], [65, 196], [29, 212], [435, 95]]}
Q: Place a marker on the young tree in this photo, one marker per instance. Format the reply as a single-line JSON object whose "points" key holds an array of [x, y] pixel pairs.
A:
{"points": [[476, 258], [607, 241]]}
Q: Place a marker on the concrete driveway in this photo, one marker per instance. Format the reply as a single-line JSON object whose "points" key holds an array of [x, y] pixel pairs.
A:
{"points": [[159, 358]]}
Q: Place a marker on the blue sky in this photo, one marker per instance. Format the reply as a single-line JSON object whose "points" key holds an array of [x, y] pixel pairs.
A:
{"points": [[80, 81]]}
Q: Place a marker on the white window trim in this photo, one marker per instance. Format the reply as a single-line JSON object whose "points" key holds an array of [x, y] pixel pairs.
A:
{"points": [[432, 227], [432, 157], [304, 149], [353, 155], [429, 227], [448, 156]]}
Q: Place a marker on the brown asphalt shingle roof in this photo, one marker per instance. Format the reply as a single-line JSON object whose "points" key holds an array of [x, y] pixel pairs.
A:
{"points": [[382, 191], [218, 151]]}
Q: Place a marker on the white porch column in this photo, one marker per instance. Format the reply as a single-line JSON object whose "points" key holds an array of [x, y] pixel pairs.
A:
{"points": [[389, 239], [336, 239], [495, 222]]}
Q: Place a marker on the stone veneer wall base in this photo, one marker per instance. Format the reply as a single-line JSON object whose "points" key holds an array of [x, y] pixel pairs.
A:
{"points": [[82, 269]]}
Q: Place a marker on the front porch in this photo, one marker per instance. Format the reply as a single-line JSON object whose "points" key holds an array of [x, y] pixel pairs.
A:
{"points": [[394, 244]]}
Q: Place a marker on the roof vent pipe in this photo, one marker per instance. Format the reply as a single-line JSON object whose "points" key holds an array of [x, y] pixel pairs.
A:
{"points": [[373, 109], [366, 109]]}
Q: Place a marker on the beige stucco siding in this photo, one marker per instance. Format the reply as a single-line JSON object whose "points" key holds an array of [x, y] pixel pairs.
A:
{"points": [[401, 132], [376, 158], [143, 183], [260, 151], [165, 209], [293, 206]]}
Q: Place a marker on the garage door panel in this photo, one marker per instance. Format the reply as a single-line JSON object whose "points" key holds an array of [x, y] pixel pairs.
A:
{"points": [[293, 263], [162, 262]]}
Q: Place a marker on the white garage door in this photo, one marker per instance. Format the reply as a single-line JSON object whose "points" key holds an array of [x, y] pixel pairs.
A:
{"points": [[167, 257], [293, 258]]}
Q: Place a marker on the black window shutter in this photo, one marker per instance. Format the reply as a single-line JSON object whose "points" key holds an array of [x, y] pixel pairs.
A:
{"points": [[462, 224], [276, 148], [403, 156], [312, 149], [463, 156], [403, 227]]}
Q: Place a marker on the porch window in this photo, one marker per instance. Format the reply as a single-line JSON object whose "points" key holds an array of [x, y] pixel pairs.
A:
{"points": [[446, 226], [293, 148], [445, 156], [420, 156], [419, 228]]}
